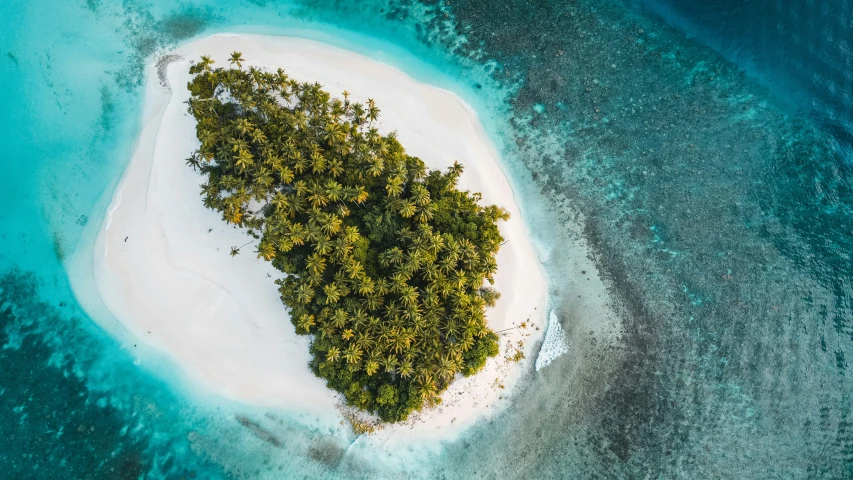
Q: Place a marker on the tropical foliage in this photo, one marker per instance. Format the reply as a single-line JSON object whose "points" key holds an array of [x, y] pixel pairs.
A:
{"points": [[387, 262]]}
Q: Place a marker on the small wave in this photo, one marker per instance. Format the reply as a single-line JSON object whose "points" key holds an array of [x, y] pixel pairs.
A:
{"points": [[554, 344]]}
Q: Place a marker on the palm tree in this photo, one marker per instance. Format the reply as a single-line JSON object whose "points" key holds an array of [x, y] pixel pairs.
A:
{"points": [[406, 369], [418, 170], [373, 301], [353, 268], [425, 213], [336, 167], [313, 233], [420, 195], [351, 234], [339, 319], [245, 126], [399, 339], [333, 190], [342, 250], [447, 367], [332, 354], [236, 58], [466, 342], [234, 214], [406, 234], [327, 330], [316, 263], [333, 293], [318, 163], [335, 134], [331, 224], [297, 233], [363, 340], [317, 196], [194, 161], [286, 174], [430, 271], [392, 256], [206, 62], [415, 258], [244, 160], [364, 285], [452, 175], [323, 246], [404, 271], [446, 265], [280, 201], [425, 386], [394, 186], [409, 296], [389, 363], [352, 354], [259, 137], [382, 287], [305, 322], [299, 163], [451, 329], [360, 195], [372, 111], [376, 166], [304, 294], [263, 182], [406, 209], [266, 250], [343, 211], [258, 77], [360, 318], [398, 282], [413, 315], [371, 367]]}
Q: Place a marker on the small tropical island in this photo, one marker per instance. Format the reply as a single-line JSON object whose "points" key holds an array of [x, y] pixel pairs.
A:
{"points": [[383, 259], [388, 263]]}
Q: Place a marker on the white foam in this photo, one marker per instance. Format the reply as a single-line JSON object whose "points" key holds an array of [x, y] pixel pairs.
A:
{"points": [[555, 343]]}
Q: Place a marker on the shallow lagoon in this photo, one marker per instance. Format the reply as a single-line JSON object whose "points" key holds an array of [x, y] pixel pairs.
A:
{"points": [[718, 216]]}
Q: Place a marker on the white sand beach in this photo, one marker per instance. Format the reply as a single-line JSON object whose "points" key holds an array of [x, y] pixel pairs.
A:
{"points": [[161, 263]]}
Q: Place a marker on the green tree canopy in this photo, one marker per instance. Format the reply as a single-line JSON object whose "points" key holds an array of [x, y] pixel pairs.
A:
{"points": [[387, 262]]}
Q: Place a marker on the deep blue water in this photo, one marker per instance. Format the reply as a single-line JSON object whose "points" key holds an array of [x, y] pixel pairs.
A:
{"points": [[803, 50], [703, 148]]}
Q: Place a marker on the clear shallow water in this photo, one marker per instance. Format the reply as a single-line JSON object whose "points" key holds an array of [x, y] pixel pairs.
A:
{"points": [[720, 215]]}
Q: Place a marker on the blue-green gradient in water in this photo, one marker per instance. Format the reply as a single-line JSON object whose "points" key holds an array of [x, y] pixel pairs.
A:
{"points": [[801, 49], [720, 218]]}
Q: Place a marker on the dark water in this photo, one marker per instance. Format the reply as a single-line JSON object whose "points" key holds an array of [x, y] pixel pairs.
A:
{"points": [[55, 425], [718, 208], [801, 49]]}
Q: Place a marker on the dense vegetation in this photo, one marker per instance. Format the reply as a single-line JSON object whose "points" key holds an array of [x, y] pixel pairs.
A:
{"points": [[386, 261]]}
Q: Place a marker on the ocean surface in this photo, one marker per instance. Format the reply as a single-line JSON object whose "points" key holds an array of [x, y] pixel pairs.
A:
{"points": [[700, 150]]}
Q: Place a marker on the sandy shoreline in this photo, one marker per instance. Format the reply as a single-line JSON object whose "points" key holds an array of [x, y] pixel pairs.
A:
{"points": [[161, 266]]}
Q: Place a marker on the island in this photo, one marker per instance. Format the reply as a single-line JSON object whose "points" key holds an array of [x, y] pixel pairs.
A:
{"points": [[388, 263], [159, 275]]}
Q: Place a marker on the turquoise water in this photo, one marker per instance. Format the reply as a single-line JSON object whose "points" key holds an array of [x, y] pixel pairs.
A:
{"points": [[719, 216], [800, 49]]}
